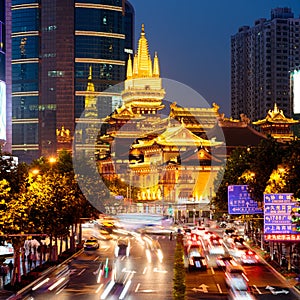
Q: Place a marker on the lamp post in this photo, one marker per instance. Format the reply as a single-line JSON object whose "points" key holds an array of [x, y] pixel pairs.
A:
{"points": [[194, 216]]}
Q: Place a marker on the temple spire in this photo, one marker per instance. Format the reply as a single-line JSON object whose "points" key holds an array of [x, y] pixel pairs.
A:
{"points": [[156, 72], [90, 99], [143, 55], [90, 85], [135, 65], [150, 66], [129, 68]]}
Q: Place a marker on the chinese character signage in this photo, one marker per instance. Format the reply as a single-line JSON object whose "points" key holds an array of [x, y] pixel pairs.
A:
{"points": [[240, 202], [277, 216], [294, 237]]}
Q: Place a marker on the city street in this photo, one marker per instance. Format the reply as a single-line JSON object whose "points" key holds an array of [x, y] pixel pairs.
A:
{"points": [[143, 275]]}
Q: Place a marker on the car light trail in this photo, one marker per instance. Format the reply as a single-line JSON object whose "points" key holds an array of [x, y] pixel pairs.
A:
{"points": [[99, 288], [148, 255], [58, 282], [108, 289], [40, 284], [126, 287]]}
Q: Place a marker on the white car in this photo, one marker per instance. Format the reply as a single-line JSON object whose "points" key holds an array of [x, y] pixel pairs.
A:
{"points": [[236, 278]]}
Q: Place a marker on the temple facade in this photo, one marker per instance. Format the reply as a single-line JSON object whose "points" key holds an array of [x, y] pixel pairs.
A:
{"points": [[277, 125], [168, 160]]}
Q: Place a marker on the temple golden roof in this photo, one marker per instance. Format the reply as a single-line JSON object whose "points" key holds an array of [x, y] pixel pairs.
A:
{"points": [[276, 116], [123, 113], [178, 136]]}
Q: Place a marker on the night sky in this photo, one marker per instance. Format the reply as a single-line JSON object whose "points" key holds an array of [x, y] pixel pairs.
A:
{"points": [[192, 39]]}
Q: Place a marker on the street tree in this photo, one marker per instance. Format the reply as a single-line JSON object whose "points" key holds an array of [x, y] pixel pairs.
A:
{"points": [[236, 164]]}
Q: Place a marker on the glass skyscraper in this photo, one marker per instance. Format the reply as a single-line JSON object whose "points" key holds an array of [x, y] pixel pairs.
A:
{"points": [[54, 46], [4, 116]]}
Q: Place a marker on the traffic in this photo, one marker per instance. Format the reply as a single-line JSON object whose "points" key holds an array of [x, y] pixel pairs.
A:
{"points": [[131, 263]]}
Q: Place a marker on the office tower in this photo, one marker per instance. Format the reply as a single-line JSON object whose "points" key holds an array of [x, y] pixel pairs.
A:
{"points": [[262, 57], [2, 75], [4, 95], [55, 44]]}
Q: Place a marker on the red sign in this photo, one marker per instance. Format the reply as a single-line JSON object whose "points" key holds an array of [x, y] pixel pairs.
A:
{"points": [[283, 237]]}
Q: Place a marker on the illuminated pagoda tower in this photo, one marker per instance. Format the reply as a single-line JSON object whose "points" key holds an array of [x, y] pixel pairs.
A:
{"points": [[88, 125], [277, 125], [142, 99], [159, 157]]}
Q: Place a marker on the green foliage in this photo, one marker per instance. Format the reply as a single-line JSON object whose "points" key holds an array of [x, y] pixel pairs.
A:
{"points": [[253, 167], [64, 163], [291, 162], [236, 164], [266, 157], [179, 271]]}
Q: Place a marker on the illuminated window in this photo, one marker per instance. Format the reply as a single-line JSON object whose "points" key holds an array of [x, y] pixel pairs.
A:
{"points": [[56, 73]]}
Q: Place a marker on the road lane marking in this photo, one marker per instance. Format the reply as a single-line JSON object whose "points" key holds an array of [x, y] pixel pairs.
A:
{"points": [[256, 288], [212, 270], [96, 258], [159, 271], [99, 288], [137, 287], [219, 288], [145, 270], [83, 270]]}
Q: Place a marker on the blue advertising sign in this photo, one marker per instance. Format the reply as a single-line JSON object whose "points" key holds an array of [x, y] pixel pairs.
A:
{"points": [[240, 201], [277, 217]]}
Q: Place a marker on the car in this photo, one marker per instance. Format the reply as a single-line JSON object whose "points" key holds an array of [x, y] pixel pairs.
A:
{"points": [[237, 249], [215, 246], [197, 260], [199, 230], [104, 235], [249, 257], [122, 247], [91, 244], [223, 224], [223, 260], [235, 278]]}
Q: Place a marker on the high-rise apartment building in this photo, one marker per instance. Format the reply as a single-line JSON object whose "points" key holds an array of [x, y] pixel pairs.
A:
{"points": [[55, 44], [262, 58]]}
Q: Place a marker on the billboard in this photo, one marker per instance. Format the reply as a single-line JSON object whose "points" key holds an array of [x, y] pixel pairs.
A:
{"points": [[296, 91], [240, 201], [2, 110], [277, 217]]}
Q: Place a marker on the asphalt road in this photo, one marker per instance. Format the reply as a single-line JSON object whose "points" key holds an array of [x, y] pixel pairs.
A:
{"points": [[147, 277]]}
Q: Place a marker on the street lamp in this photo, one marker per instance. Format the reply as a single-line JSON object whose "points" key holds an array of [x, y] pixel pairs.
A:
{"points": [[52, 160], [35, 172]]}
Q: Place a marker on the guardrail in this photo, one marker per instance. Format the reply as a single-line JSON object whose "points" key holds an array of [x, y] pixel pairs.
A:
{"points": [[26, 289]]}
